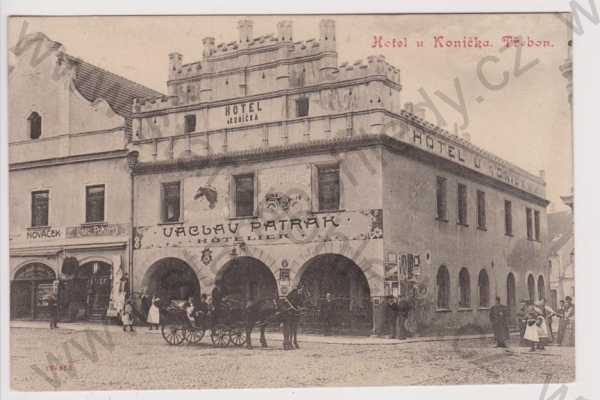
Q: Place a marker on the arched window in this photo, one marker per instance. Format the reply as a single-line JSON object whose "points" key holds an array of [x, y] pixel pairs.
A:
{"points": [[484, 289], [443, 288], [531, 287], [464, 283], [35, 125], [511, 293], [541, 288]]}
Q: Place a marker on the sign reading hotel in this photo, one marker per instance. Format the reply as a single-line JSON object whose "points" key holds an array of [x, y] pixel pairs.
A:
{"points": [[241, 113], [352, 225], [470, 157]]}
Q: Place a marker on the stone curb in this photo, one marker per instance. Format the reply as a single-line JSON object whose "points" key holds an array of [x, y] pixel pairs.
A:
{"points": [[308, 338]]}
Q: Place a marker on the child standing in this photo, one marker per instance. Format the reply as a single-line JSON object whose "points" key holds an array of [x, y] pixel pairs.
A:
{"points": [[154, 313]]}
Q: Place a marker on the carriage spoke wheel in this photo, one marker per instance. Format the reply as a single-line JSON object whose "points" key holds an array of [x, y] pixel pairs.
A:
{"points": [[237, 337], [194, 336], [220, 336], [173, 334]]}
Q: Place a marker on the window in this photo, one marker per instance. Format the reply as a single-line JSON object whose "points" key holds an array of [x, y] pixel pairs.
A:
{"points": [[35, 125], [302, 107], [440, 197], [443, 288], [464, 282], [508, 217], [541, 288], [39, 208], [329, 188], [171, 204], [244, 195], [529, 216], [480, 209], [190, 123], [531, 287], [484, 289], [536, 225], [94, 203], [462, 204]]}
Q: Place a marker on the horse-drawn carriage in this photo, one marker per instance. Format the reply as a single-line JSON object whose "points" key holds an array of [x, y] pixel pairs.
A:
{"points": [[225, 329]]}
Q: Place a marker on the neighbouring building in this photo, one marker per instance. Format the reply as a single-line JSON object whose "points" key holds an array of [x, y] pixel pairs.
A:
{"points": [[269, 164], [70, 185], [561, 253]]}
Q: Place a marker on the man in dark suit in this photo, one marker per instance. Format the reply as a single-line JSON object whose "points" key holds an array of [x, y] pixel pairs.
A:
{"points": [[499, 316], [327, 313]]}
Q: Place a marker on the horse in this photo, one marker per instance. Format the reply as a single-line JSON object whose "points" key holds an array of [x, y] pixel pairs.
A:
{"points": [[287, 311]]}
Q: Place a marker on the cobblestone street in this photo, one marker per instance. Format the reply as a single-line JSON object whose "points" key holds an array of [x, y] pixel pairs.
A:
{"points": [[144, 361]]}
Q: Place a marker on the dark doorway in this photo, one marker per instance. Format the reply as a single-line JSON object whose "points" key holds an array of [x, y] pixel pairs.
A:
{"points": [[248, 278], [29, 291], [87, 294], [171, 279]]}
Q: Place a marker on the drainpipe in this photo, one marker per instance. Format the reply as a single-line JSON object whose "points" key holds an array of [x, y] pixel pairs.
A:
{"points": [[132, 159]]}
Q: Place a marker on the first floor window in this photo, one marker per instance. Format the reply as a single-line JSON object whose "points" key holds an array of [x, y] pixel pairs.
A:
{"points": [[529, 217], [171, 207], [244, 195], [462, 204], [464, 283], [536, 225], [443, 287], [190, 123], [39, 208], [302, 107], [508, 217], [94, 203], [481, 223], [329, 188], [440, 198]]}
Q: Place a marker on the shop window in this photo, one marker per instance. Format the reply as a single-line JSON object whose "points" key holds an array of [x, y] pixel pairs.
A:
{"points": [[529, 217], [484, 289], [35, 125], [481, 219], [464, 282], [244, 195], [190, 123], [39, 208], [536, 225], [462, 204], [443, 288], [171, 202], [302, 107], [94, 203], [440, 197], [508, 230], [329, 188]]}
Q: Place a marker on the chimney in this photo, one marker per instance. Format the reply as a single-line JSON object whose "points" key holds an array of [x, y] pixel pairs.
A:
{"points": [[245, 30], [209, 47], [175, 61], [285, 31]]}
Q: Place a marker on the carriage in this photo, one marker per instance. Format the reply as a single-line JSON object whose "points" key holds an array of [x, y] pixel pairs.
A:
{"points": [[229, 329]]}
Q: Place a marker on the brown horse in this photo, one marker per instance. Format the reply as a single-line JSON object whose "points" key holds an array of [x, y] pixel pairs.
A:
{"points": [[286, 311]]}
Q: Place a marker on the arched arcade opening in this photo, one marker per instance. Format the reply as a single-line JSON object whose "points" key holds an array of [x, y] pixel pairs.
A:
{"points": [[29, 291], [348, 286], [248, 279], [171, 279]]}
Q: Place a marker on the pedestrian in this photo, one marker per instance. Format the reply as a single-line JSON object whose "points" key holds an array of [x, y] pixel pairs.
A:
{"points": [[531, 331], [522, 320], [53, 308], [391, 315], [547, 313], [560, 313], [404, 308], [146, 304], [154, 313], [568, 321], [543, 335], [499, 317], [326, 313], [217, 301], [127, 316]]}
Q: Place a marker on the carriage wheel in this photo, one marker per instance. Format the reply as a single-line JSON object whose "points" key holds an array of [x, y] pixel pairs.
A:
{"points": [[219, 336], [237, 337], [173, 334], [194, 336]]}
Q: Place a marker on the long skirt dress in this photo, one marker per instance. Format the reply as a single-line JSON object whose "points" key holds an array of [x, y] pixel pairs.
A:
{"points": [[153, 315], [531, 332]]}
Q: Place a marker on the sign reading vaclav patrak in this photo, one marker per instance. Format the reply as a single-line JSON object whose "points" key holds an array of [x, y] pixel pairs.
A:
{"points": [[352, 225], [241, 113]]}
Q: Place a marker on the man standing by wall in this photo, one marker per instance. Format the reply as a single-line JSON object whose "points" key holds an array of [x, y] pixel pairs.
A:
{"points": [[499, 315]]}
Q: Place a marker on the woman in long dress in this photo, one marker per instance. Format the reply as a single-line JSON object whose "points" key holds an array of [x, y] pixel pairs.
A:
{"points": [[567, 323], [542, 324], [531, 334], [127, 316], [154, 313]]}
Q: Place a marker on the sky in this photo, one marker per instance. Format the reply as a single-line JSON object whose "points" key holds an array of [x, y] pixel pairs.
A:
{"points": [[516, 100]]}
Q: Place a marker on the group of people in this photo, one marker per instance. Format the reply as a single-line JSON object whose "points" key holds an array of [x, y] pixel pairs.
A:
{"points": [[536, 320], [536, 324]]}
